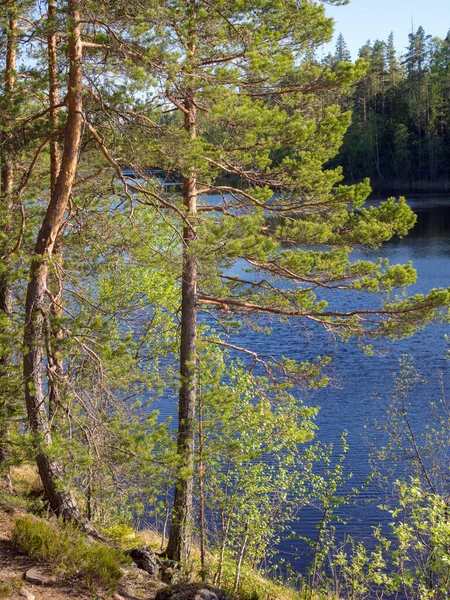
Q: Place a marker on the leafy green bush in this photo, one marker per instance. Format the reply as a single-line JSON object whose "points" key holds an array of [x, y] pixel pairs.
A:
{"points": [[67, 550], [101, 566], [122, 535]]}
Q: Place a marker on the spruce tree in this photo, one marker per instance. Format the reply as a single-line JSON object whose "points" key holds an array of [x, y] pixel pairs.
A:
{"points": [[342, 52]]}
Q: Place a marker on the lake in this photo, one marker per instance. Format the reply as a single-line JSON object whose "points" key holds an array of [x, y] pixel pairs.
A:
{"points": [[349, 403]]}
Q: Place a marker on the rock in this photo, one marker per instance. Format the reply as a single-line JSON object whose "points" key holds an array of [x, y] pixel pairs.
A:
{"points": [[126, 596], [38, 577], [124, 591], [171, 572], [191, 591], [167, 571], [145, 559], [28, 595]]}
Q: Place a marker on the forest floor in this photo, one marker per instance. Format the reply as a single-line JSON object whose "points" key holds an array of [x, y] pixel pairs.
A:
{"points": [[14, 564]]}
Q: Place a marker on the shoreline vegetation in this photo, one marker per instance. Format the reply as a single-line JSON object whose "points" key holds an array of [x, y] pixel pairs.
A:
{"points": [[426, 188], [387, 187], [68, 559], [119, 291]]}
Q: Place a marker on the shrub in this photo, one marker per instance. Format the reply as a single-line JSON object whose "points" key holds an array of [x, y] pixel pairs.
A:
{"points": [[67, 550], [42, 540], [122, 535], [101, 566]]}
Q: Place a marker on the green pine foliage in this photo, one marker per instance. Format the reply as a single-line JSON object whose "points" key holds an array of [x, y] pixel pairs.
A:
{"points": [[277, 234]]}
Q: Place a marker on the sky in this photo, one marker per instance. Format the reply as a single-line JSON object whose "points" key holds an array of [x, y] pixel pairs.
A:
{"points": [[375, 19]]}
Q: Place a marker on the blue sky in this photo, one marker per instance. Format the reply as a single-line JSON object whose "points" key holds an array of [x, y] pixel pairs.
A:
{"points": [[375, 19]]}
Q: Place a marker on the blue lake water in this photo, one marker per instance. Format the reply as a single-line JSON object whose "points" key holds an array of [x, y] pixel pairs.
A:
{"points": [[351, 404], [348, 404]]}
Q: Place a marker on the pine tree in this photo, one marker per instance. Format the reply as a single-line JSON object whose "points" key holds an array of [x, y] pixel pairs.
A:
{"points": [[236, 98], [440, 104], [7, 159], [229, 97], [61, 500], [237, 77], [402, 104]]}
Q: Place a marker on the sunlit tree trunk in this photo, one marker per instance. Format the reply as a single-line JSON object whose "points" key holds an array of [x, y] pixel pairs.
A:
{"points": [[181, 528], [55, 366], [179, 545], [6, 195], [37, 314], [201, 491]]}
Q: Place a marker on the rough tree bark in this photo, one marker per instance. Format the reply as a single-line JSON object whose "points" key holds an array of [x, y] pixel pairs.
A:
{"points": [[53, 92], [55, 366], [61, 500], [179, 545], [6, 195]]}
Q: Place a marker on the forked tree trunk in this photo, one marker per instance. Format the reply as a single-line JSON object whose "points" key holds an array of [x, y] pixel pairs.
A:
{"points": [[6, 198], [179, 545], [61, 500]]}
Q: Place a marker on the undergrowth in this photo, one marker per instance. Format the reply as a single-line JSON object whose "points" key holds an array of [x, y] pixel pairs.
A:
{"points": [[253, 585], [67, 550], [8, 588]]}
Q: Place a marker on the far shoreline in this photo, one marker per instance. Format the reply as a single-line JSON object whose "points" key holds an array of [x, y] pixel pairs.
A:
{"points": [[402, 188]]}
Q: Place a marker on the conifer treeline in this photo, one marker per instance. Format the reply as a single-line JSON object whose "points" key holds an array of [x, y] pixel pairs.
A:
{"points": [[400, 132], [104, 267]]}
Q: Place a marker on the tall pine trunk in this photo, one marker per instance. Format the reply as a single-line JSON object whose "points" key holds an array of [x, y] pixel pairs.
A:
{"points": [[37, 313], [55, 365], [6, 195], [179, 545]]}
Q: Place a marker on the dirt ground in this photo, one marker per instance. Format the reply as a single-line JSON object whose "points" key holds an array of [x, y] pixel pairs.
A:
{"points": [[14, 565]]}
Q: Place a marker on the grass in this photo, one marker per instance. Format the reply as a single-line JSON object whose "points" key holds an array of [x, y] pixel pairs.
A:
{"points": [[67, 550], [28, 491], [8, 588], [26, 480], [10, 503]]}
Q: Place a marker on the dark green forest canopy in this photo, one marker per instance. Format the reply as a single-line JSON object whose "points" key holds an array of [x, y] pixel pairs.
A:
{"points": [[399, 134]]}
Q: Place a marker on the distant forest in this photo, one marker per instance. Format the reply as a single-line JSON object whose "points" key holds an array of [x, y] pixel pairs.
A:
{"points": [[400, 132]]}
